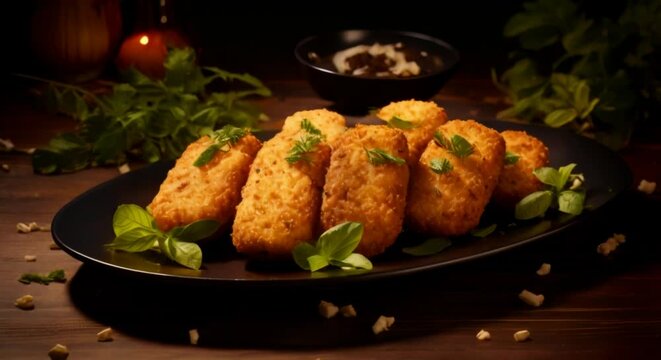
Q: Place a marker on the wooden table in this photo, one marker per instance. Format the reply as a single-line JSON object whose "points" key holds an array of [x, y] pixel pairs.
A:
{"points": [[595, 307]]}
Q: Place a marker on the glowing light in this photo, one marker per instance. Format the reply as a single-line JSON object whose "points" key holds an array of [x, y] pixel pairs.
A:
{"points": [[144, 40]]}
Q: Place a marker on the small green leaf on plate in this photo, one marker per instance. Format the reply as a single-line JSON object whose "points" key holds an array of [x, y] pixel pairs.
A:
{"points": [[428, 247]]}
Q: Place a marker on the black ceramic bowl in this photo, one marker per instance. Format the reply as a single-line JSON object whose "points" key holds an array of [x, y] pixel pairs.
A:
{"points": [[354, 92]]}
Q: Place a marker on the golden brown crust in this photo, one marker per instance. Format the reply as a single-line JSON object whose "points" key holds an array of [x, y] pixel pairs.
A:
{"points": [[331, 124], [374, 195], [281, 201], [452, 203], [517, 180], [190, 193], [427, 117]]}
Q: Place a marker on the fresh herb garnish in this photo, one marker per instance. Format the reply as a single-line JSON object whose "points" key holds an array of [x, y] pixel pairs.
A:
{"points": [[53, 276], [511, 158], [457, 145], [311, 129], [556, 194], [334, 248], [485, 231], [302, 148], [136, 231], [428, 247], [380, 157], [400, 123], [152, 119], [222, 140], [440, 166]]}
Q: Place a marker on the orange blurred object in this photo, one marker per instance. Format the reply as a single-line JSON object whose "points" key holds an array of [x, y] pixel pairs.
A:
{"points": [[146, 51]]}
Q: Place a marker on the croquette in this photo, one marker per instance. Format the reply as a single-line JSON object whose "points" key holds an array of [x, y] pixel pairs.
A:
{"points": [[450, 200], [212, 191], [517, 180], [372, 194], [425, 117], [282, 200]]}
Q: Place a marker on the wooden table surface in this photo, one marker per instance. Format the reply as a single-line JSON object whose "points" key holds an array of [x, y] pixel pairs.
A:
{"points": [[595, 307]]}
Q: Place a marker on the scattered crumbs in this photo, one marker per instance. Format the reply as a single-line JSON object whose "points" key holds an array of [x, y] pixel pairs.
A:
{"points": [[59, 352], [124, 168], [104, 335], [6, 145], [5, 167], [483, 335], [348, 311], [544, 270], [54, 246], [647, 187], [383, 323], [531, 299], [327, 309], [28, 151], [30, 258], [194, 336], [24, 228], [608, 246], [522, 335], [313, 56], [424, 54], [25, 302]]}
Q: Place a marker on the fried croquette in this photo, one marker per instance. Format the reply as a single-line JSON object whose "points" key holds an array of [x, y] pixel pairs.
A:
{"points": [[282, 199], [517, 180], [425, 117], [212, 191], [449, 200], [358, 190], [330, 123]]}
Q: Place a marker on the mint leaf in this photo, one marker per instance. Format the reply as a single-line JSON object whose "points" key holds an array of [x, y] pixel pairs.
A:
{"points": [[428, 247], [129, 217], [533, 205], [485, 231], [440, 166], [301, 254], [571, 202], [511, 158], [547, 175], [196, 231], [380, 157], [338, 242], [400, 123]]}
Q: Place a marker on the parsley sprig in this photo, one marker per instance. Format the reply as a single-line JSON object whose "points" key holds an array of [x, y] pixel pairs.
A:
{"points": [[146, 118], [223, 139], [456, 145], [136, 231], [380, 157], [305, 144]]}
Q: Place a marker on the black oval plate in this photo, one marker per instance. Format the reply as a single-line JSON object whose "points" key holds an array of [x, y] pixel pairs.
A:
{"points": [[84, 225]]}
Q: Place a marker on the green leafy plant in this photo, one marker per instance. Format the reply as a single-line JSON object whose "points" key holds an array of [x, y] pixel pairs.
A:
{"points": [[44, 279], [381, 157], [484, 231], [598, 76], [334, 248], [560, 193], [144, 118], [136, 231]]}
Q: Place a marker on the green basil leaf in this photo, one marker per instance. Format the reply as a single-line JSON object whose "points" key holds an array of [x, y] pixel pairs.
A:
{"points": [[380, 157], [184, 253], [511, 158], [485, 231], [547, 175], [207, 155], [428, 247], [563, 175], [196, 231], [317, 262], [339, 242], [301, 254], [358, 261], [400, 123], [533, 205], [128, 217], [581, 95], [560, 117], [440, 166], [571, 202], [135, 240]]}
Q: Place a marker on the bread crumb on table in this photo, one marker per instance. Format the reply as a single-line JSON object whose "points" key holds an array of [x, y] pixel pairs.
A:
{"points": [[104, 335], [5, 167], [124, 168], [348, 311], [608, 246], [531, 299], [522, 335], [30, 258], [543, 270], [194, 336], [328, 309], [25, 302], [647, 187], [59, 352], [483, 335], [383, 323]]}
